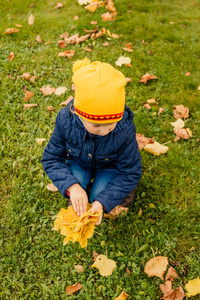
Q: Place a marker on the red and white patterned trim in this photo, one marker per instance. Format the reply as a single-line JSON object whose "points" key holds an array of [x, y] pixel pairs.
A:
{"points": [[111, 117]]}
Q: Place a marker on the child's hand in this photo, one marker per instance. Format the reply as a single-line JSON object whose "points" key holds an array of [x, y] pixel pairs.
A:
{"points": [[97, 206], [79, 198]]}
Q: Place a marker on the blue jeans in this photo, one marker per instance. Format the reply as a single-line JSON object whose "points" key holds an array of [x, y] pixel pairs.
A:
{"points": [[101, 178]]}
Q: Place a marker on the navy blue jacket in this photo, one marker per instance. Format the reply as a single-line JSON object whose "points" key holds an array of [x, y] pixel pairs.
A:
{"points": [[118, 149]]}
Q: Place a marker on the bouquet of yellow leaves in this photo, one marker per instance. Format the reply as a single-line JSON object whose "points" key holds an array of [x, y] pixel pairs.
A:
{"points": [[76, 228]]}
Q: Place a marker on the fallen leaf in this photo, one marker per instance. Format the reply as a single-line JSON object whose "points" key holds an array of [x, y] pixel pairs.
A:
{"points": [[104, 265], [64, 35], [108, 17], [12, 55], [50, 108], [51, 187], [116, 212], [67, 101], [156, 266], [172, 23], [198, 88], [73, 288], [147, 77], [93, 22], [67, 53], [128, 271], [75, 17], [60, 90], [171, 274], [87, 49], [28, 95], [128, 47], [178, 124], [122, 296], [18, 25], [31, 19], [11, 30], [30, 105], [181, 133], [187, 74], [156, 148], [147, 105], [32, 79], [110, 6], [142, 140], [58, 5], [181, 111], [123, 60], [128, 79], [169, 293], [26, 76], [95, 254], [92, 7], [38, 39], [161, 110], [39, 141], [79, 268], [47, 90], [140, 211], [106, 44], [193, 287], [85, 2], [151, 101]]}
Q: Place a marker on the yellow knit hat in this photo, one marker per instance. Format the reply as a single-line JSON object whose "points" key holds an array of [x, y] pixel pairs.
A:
{"points": [[100, 92]]}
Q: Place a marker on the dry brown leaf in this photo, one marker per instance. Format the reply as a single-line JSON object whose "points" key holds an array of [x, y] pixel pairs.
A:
{"points": [[75, 17], [79, 268], [73, 288], [122, 296], [147, 77], [104, 265], [26, 76], [116, 212], [47, 90], [106, 44], [128, 79], [95, 254], [12, 55], [50, 108], [67, 101], [156, 266], [108, 17], [140, 211], [31, 19], [39, 141], [171, 274], [179, 123], [61, 44], [181, 133], [64, 35], [87, 49], [193, 287], [181, 111], [161, 110], [128, 47], [30, 105], [38, 39], [51, 187], [18, 25], [28, 95], [122, 60], [11, 30], [92, 7], [67, 53], [128, 271], [60, 90], [110, 6], [169, 293], [147, 105], [32, 79], [151, 101], [58, 5], [187, 74], [156, 148], [93, 22]]}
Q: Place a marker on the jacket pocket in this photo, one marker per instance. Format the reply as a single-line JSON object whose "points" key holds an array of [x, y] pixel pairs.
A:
{"points": [[72, 151], [106, 161]]}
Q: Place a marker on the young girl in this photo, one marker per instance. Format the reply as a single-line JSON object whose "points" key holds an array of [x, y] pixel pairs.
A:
{"points": [[94, 139]]}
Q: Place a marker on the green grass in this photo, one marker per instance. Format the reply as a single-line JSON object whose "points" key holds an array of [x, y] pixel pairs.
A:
{"points": [[34, 264]]}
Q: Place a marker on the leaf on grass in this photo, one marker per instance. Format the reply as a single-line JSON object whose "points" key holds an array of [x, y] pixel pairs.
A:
{"points": [[32, 79], [169, 293], [28, 95], [73, 288], [50, 108], [92, 7], [58, 5], [182, 133], [128, 271], [147, 105], [171, 274], [67, 53], [26, 76], [156, 266], [38, 39], [18, 25], [93, 22], [75, 17], [151, 101], [161, 110], [128, 79], [87, 49], [79, 268], [47, 90], [181, 111], [128, 47], [11, 30], [116, 212], [104, 265], [76, 228], [51, 187], [105, 44], [60, 90], [178, 124], [193, 287], [123, 60], [187, 74], [83, 2], [64, 35], [12, 55], [39, 141], [108, 17], [67, 101], [61, 44], [95, 254], [31, 19], [147, 77], [122, 296], [26, 106], [156, 148]]}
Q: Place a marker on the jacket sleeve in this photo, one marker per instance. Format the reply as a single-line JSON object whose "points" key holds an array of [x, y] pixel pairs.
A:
{"points": [[129, 175], [54, 158]]}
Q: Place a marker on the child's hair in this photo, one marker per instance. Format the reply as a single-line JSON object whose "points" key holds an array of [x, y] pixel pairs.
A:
{"points": [[100, 92]]}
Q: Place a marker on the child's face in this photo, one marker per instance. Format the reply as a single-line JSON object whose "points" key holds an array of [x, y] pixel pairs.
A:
{"points": [[98, 129]]}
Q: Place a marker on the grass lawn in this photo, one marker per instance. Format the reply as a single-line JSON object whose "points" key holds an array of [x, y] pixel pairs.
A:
{"points": [[165, 37]]}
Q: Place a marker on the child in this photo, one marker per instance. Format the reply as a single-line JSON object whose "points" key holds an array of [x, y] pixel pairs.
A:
{"points": [[94, 138]]}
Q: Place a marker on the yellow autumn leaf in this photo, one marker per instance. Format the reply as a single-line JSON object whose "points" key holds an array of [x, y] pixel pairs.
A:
{"points": [[105, 265], [156, 266], [179, 123], [193, 287], [122, 60], [122, 296], [31, 19], [116, 212], [60, 90], [156, 148], [51, 187], [39, 141]]}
